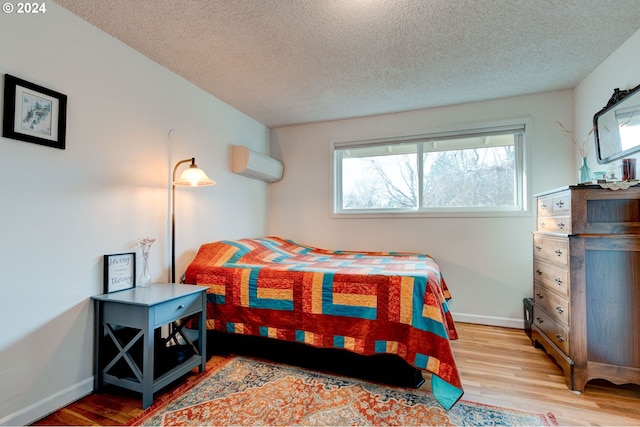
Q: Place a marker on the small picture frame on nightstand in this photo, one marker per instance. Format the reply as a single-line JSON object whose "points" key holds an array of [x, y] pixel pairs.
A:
{"points": [[119, 272]]}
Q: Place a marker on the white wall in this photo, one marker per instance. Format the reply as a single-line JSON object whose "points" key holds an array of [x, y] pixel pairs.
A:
{"points": [[487, 262], [621, 70], [61, 210]]}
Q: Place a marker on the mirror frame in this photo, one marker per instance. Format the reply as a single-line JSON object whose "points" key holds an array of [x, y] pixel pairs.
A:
{"points": [[614, 103]]}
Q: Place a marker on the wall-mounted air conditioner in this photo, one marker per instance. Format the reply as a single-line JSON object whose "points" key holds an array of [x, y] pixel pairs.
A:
{"points": [[255, 165]]}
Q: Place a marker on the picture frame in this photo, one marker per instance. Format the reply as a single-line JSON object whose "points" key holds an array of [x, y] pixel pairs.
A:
{"points": [[33, 113], [119, 272]]}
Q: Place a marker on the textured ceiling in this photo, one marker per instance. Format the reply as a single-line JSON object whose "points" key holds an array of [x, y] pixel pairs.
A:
{"points": [[297, 61]]}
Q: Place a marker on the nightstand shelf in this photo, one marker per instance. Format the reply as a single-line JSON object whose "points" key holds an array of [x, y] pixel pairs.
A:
{"points": [[129, 347]]}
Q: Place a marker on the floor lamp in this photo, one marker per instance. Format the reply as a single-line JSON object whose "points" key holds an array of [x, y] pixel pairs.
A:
{"points": [[192, 177]]}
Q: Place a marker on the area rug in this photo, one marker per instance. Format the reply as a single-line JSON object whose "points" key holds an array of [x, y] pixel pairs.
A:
{"points": [[245, 391]]}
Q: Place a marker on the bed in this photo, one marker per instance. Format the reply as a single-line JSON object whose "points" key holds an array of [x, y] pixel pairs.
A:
{"points": [[366, 302]]}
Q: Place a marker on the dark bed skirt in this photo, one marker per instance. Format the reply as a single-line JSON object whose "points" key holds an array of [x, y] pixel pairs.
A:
{"points": [[381, 368]]}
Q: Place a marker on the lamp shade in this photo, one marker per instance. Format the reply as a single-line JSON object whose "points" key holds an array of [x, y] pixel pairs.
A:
{"points": [[193, 176]]}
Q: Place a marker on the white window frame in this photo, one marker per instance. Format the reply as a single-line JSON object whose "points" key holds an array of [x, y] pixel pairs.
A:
{"points": [[522, 147]]}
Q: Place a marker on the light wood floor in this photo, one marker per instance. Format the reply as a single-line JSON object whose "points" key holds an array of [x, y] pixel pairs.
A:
{"points": [[498, 366]]}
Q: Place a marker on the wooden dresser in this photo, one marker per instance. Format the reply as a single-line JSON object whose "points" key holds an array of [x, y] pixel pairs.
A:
{"points": [[586, 267]]}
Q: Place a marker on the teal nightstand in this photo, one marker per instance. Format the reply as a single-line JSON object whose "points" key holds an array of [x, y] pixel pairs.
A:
{"points": [[130, 320]]}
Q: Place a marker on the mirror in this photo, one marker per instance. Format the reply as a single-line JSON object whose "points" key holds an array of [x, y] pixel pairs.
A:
{"points": [[617, 126]]}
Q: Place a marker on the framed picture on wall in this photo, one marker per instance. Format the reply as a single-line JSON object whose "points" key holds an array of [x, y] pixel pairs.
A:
{"points": [[34, 113], [119, 272]]}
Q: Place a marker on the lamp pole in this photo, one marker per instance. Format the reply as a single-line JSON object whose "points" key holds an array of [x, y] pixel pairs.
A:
{"points": [[173, 217], [190, 177]]}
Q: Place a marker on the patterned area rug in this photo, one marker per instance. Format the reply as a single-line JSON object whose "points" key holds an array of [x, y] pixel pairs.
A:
{"points": [[245, 391]]}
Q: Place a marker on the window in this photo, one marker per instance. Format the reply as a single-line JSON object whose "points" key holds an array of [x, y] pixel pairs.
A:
{"points": [[465, 172]]}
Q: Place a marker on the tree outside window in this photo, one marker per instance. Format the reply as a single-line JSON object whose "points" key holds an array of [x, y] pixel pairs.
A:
{"points": [[464, 173]]}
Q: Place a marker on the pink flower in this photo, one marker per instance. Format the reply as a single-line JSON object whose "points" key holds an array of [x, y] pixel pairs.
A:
{"points": [[145, 244]]}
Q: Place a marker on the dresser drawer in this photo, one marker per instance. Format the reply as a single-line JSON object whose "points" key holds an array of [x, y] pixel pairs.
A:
{"points": [[555, 224], [552, 249], [544, 206], [552, 329], [561, 203], [555, 204], [177, 308], [556, 306], [552, 276]]}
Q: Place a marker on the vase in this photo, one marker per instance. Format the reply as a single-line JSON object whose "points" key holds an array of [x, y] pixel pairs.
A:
{"points": [[145, 275], [584, 173]]}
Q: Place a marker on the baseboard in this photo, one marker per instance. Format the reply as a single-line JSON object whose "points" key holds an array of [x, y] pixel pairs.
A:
{"points": [[505, 322], [44, 407]]}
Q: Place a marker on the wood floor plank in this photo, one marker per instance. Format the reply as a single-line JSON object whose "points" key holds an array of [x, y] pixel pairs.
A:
{"points": [[498, 366]]}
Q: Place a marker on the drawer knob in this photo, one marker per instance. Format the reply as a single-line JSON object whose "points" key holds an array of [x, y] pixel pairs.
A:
{"points": [[539, 272], [558, 281], [558, 252], [542, 224], [543, 206], [559, 338], [561, 225], [180, 307], [559, 309], [539, 295], [539, 320], [538, 248], [559, 203]]}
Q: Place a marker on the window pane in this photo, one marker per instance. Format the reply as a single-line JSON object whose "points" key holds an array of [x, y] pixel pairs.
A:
{"points": [[478, 177], [475, 171], [379, 181]]}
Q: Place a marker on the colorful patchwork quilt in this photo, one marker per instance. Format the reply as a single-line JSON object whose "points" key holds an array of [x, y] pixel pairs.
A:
{"points": [[365, 302]]}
